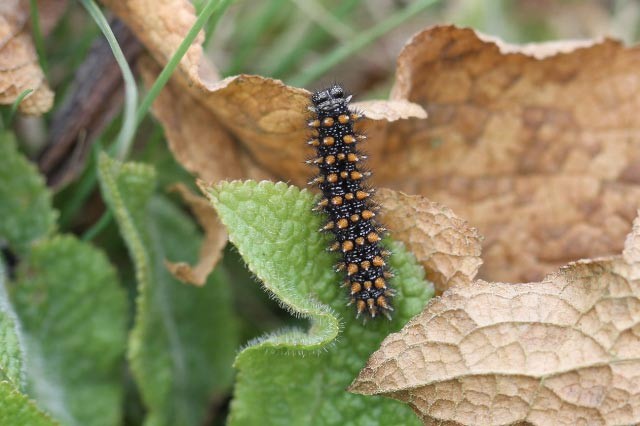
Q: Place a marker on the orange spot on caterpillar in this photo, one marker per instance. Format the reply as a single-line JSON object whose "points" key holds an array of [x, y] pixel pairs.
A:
{"points": [[348, 139]]}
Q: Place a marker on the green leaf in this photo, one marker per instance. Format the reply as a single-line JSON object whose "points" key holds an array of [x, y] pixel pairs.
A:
{"points": [[285, 378], [11, 356], [25, 202], [184, 337], [17, 409], [73, 317]]}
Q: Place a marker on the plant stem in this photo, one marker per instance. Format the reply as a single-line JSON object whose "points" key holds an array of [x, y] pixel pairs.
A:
{"points": [[128, 129]]}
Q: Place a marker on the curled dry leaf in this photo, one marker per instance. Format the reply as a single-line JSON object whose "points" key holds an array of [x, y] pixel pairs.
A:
{"points": [[194, 135], [256, 122], [19, 67], [214, 242], [390, 110], [535, 145], [562, 351], [447, 247]]}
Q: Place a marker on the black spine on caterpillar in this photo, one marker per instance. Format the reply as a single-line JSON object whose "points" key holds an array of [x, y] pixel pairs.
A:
{"points": [[348, 203]]}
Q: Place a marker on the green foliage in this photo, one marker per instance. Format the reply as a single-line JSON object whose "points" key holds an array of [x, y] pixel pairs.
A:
{"points": [[299, 376], [73, 316], [11, 357], [184, 337], [63, 320], [17, 409], [25, 203]]}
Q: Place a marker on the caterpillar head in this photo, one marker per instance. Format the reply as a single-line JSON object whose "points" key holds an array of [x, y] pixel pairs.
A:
{"points": [[330, 98]]}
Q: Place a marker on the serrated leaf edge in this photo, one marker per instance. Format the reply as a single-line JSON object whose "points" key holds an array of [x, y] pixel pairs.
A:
{"points": [[325, 324], [107, 169], [31, 403]]}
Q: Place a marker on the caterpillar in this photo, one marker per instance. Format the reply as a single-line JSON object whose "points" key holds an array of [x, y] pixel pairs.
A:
{"points": [[348, 203]]}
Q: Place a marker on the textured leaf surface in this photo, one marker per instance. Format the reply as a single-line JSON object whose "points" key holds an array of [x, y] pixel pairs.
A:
{"points": [[15, 406], [11, 350], [19, 68], [25, 202], [562, 351], [299, 376], [73, 317], [535, 145], [184, 337], [17, 409], [447, 247]]}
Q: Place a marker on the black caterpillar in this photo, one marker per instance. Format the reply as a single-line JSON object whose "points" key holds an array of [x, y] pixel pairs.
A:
{"points": [[348, 203]]}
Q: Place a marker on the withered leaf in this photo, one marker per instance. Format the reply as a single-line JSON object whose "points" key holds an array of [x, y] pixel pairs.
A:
{"points": [[252, 121], [533, 145], [19, 67], [562, 351], [161, 27], [448, 248], [194, 135], [214, 242]]}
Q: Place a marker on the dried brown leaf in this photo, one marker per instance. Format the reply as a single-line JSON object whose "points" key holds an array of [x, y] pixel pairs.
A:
{"points": [[260, 122], [446, 246], [534, 145], [161, 27], [562, 351], [215, 240], [195, 137], [19, 67], [390, 110]]}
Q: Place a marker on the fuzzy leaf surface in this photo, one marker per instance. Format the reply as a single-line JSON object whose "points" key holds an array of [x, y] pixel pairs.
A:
{"points": [[25, 202], [17, 409], [299, 376], [184, 337], [73, 316], [11, 356]]}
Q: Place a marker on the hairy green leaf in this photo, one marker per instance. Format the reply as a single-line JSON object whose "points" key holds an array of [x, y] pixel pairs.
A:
{"points": [[25, 202], [17, 409], [73, 316], [184, 337], [300, 376], [11, 356]]}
